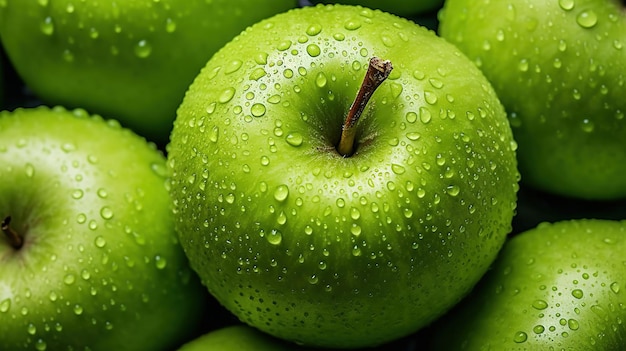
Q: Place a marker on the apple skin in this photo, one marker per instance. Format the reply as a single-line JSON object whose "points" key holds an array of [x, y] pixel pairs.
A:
{"points": [[398, 7], [558, 286], [333, 251], [239, 337], [561, 83], [128, 60], [101, 267]]}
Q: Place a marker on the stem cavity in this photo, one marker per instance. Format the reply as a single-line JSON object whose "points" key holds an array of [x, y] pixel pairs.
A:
{"points": [[377, 72], [12, 236]]}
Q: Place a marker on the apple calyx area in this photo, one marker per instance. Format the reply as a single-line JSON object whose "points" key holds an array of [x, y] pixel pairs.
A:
{"points": [[12, 236], [377, 72]]}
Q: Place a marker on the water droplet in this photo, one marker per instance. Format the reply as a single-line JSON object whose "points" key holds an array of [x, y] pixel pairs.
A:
{"points": [[425, 115], [397, 169], [257, 110], [577, 293], [281, 193], [352, 25], [339, 36], [258, 73], [587, 19], [77, 194], [170, 25], [265, 160], [587, 126], [313, 50], [160, 262], [566, 4], [143, 49], [233, 66], [573, 324], [47, 26], [411, 117], [78, 310], [540, 304], [321, 80], [284, 45], [100, 242], [226, 95], [523, 65], [615, 287], [538, 329], [520, 337], [453, 190], [5, 305], [294, 139], [106, 213], [275, 237], [430, 97], [313, 279], [69, 279]]}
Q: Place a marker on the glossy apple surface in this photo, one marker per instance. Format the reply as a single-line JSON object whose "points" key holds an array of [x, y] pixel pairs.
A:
{"points": [[559, 69], [398, 7], [129, 60], [100, 267], [311, 246], [558, 286]]}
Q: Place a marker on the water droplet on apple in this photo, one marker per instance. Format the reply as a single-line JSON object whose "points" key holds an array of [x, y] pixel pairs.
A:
{"points": [[47, 26], [587, 126], [233, 66], [387, 41], [265, 160], [566, 4], [321, 80], [313, 50], [356, 251], [226, 95], [160, 262], [143, 49], [313, 279], [587, 19], [520, 337], [294, 139], [577, 293], [281, 193], [274, 237], [425, 115], [352, 25], [78, 309], [284, 45], [538, 329], [69, 279], [258, 110], [397, 169], [102, 193], [106, 212], [411, 117], [100, 242], [430, 97], [453, 190], [339, 36], [540, 304], [41, 345], [413, 136], [523, 65]]}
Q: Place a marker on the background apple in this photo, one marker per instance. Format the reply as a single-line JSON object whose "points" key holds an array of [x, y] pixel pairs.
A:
{"points": [[311, 246], [398, 7], [129, 60], [558, 286], [558, 67], [97, 265], [238, 337]]}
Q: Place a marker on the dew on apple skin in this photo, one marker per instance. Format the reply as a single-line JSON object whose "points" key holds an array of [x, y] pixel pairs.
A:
{"points": [[566, 5], [313, 50], [577, 293], [587, 19], [226, 95], [520, 337], [47, 26], [274, 237], [258, 110], [5, 305], [143, 49], [425, 115], [160, 262]]}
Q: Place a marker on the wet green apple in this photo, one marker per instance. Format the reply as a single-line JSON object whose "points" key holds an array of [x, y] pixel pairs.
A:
{"points": [[238, 337], [558, 286], [129, 60], [89, 259], [398, 7], [326, 242], [559, 69]]}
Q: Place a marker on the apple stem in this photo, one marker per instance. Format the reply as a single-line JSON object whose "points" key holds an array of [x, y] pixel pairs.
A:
{"points": [[377, 72], [14, 238]]}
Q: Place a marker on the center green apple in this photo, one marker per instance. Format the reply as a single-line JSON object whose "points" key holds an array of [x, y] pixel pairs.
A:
{"points": [[348, 248]]}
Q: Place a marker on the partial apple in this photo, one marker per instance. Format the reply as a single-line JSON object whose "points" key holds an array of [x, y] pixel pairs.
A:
{"points": [[558, 286], [238, 337], [330, 233], [129, 60], [398, 7], [88, 254], [559, 68]]}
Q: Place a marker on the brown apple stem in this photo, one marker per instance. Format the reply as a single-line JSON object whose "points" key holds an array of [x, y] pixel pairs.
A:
{"points": [[14, 238], [377, 71]]}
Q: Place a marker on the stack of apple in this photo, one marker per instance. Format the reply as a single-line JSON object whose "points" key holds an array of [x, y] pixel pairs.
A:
{"points": [[283, 175]]}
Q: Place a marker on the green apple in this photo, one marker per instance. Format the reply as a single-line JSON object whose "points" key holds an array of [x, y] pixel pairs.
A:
{"points": [[398, 7], [239, 337], [89, 259], [559, 286], [559, 69], [129, 60], [331, 248]]}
